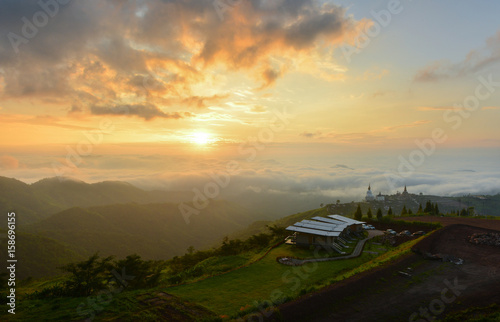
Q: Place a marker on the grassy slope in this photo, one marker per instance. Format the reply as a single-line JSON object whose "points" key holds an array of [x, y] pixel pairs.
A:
{"points": [[126, 306], [155, 231], [41, 256], [263, 280]]}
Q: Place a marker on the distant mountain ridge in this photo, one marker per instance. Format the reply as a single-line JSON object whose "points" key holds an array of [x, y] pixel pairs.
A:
{"points": [[43, 198]]}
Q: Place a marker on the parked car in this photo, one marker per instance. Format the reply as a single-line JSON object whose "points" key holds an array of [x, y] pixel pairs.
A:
{"points": [[418, 233], [390, 231], [405, 232]]}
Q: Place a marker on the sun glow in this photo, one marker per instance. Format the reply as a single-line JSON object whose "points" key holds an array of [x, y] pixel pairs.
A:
{"points": [[201, 138]]}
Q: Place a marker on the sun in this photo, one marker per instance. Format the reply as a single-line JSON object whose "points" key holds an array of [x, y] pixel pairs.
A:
{"points": [[200, 138]]}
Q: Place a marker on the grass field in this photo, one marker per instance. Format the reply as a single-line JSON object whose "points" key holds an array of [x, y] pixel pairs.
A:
{"points": [[265, 280]]}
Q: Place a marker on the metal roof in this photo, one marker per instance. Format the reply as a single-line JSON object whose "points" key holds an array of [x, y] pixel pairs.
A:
{"points": [[314, 231], [329, 220], [324, 225], [319, 227], [347, 220]]}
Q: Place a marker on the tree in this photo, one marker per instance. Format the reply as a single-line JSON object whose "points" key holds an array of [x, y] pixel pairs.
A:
{"points": [[379, 213], [358, 214], [404, 211], [321, 205], [89, 276], [369, 213], [277, 231], [338, 201], [190, 250], [428, 207], [420, 210], [142, 273], [230, 247], [436, 209], [389, 212], [463, 213], [410, 212]]}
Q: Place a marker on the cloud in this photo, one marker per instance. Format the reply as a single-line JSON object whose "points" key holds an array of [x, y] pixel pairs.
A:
{"points": [[163, 53], [258, 109], [402, 126], [311, 135], [361, 138], [341, 166], [8, 162], [146, 111], [202, 101], [373, 74], [372, 137], [270, 76], [475, 61], [45, 120], [378, 94]]}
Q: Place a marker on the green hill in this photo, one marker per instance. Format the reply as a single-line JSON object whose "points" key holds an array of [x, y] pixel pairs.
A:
{"points": [[40, 256], [20, 197], [156, 231]]}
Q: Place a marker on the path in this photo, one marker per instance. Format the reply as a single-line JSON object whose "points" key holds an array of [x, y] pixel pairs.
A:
{"points": [[355, 253]]}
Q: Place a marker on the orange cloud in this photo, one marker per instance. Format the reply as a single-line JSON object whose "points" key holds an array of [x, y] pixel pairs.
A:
{"points": [[164, 54]]}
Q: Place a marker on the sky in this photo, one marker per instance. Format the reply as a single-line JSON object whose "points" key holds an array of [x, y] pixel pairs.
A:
{"points": [[304, 96]]}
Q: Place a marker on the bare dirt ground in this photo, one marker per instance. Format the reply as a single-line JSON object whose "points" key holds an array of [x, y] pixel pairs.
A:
{"points": [[434, 290], [446, 221]]}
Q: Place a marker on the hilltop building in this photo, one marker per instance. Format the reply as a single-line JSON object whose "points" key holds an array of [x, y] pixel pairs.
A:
{"points": [[380, 197], [333, 231], [405, 195], [369, 194]]}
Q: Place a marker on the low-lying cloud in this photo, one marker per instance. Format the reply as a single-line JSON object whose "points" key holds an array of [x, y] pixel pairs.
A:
{"points": [[314, 180]]}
